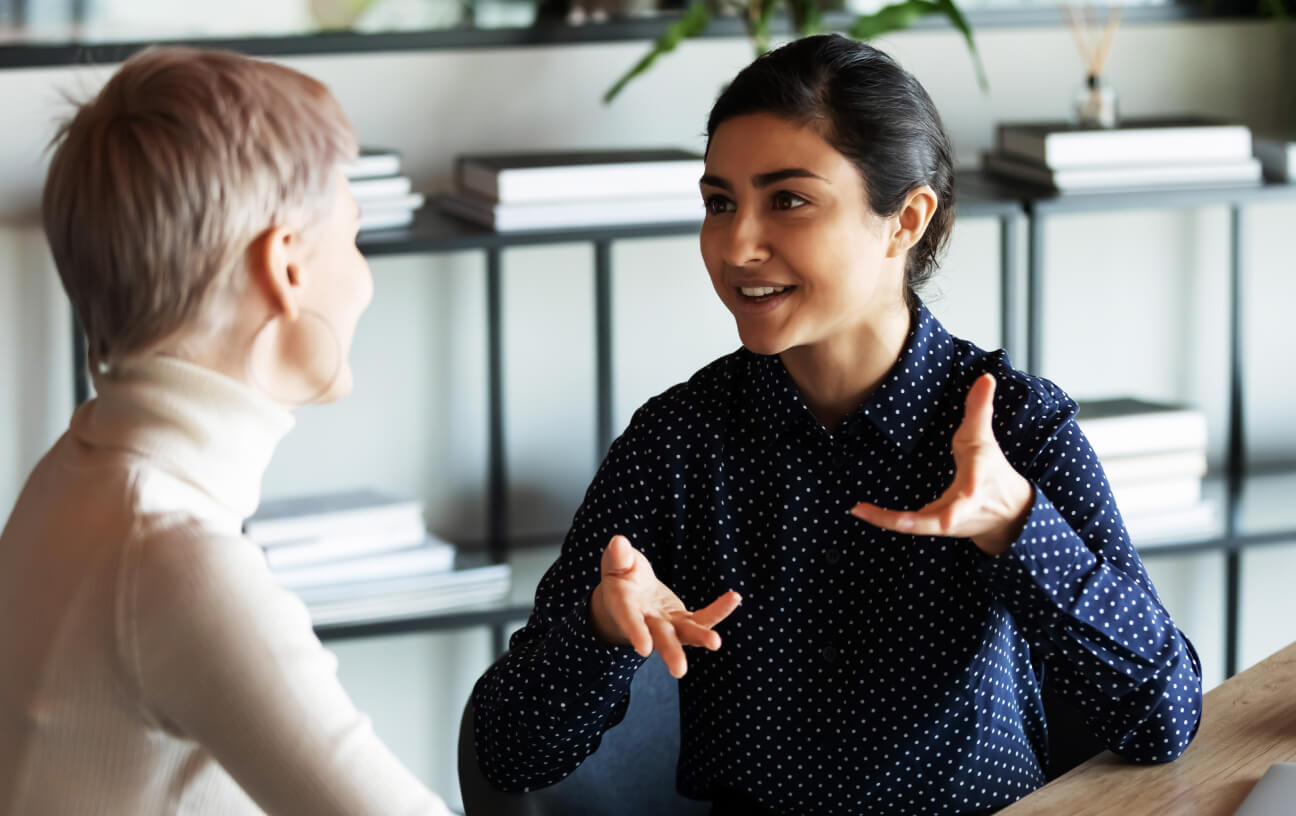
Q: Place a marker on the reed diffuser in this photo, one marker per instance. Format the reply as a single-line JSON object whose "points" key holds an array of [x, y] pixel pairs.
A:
{"points": [[1095, 101]]}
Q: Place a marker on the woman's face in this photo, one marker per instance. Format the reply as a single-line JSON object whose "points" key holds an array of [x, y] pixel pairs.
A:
{"points": [[339, 287], [789, 240]]}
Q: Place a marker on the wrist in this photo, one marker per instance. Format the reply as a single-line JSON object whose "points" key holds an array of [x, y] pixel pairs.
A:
{"points": [[1019, 500], [598, 619]]}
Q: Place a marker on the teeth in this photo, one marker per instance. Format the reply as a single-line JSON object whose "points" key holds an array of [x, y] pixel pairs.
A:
{"points": [[761, 291]]}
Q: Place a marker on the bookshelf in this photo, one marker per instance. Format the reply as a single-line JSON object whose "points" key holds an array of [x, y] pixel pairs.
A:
{"points": [[1257, 510]]}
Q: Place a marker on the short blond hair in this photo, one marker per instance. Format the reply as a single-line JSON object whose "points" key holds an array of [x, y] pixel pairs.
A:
{"points": [[160, 183]]}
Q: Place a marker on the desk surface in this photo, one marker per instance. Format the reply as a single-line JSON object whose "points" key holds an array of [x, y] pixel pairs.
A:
{"points": [[1248, 723]]}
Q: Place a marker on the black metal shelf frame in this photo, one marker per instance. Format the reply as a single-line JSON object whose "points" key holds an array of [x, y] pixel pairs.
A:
{"points": [[544, 32], [1040, 207]]}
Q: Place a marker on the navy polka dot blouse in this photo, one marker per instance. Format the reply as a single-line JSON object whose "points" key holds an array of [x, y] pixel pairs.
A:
{"points": [[866, 671]]}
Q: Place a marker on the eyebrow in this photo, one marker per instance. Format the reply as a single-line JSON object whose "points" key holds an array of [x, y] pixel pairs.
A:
{"points": [[762, 180]]}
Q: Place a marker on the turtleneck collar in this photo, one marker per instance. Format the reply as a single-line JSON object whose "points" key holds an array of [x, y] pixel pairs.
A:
{"points": [[203, 427]]}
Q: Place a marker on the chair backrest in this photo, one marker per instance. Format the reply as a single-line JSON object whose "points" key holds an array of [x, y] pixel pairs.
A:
{"points": [[1070, 740], [631, 774]]}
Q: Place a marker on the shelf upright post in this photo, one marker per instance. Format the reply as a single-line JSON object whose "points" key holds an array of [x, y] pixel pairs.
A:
{"points": [[1034, 289], [496, 476], [1236, 454], [603, 347], [1009, 286]]}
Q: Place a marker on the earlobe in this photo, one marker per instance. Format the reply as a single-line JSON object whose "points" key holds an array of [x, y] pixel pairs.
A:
{"points": [[912, 220], [272, 269]]}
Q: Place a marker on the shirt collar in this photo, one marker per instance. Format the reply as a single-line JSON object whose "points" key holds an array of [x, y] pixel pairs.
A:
{"points": [[201, 426], [901, 408]]}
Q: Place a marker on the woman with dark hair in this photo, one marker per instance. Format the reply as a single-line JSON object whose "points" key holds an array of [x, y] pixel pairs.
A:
{"points": [[920, 533]]}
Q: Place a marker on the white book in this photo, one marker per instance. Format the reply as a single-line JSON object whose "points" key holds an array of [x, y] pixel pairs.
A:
{"points": [[1278, 157], [1125, 426], [518, 178], [1157, 465], [409, 603], [372, 162], [352, 512], [1157, 495], [432, 556], [573, 214], [379, 189], [1164, 140], [333, 546], [386, 219], [1148, 529], [1129, 177]]}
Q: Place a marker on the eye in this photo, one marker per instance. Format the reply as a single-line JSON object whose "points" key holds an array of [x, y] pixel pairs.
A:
{"points": [[784, 200], [717, 204]]}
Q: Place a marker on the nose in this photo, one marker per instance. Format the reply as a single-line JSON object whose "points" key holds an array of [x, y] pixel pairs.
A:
{"points": [[746, 243]]}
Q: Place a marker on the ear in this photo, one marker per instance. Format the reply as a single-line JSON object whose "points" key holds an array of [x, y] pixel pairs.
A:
{"points": [[273, 269], [912, 220]]}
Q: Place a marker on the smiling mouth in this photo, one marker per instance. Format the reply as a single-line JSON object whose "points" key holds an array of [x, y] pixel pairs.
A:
{"points": [[759, 293]]}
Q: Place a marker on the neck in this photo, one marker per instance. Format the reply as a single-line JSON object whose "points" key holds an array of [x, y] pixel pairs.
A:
{"points": [[837, 374]]}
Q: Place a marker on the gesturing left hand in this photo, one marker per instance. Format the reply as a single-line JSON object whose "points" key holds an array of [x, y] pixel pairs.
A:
{"points": [[988, 501]]}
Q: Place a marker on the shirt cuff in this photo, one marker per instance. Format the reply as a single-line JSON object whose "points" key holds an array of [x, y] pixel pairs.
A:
{"points": [[1043, 574], [577, 641]]}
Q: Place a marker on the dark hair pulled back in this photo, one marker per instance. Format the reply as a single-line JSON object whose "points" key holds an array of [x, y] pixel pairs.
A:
{"points": [[870, 110]]}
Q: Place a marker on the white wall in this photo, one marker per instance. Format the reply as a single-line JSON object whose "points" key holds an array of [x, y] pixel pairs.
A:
{"points": [[1134, 299]]}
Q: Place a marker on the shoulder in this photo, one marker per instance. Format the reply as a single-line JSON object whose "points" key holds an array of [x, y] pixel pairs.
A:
{"points": [[182, 576], [701, 404], [1017, 393]]}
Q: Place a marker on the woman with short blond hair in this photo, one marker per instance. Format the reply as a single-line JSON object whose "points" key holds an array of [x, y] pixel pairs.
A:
{"points": [[204, 232]]}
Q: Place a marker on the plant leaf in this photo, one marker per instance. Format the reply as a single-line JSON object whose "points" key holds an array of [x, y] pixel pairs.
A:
{"points": [[960, 22], [902, 15], [805, 16], [693, 23], [1274, 7]]}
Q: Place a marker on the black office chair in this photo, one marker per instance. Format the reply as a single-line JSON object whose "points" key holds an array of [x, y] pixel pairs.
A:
{"points": [[633, 770], [631, 774], [1070, 741]]}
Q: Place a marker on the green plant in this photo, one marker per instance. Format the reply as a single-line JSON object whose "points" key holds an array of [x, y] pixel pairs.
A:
{"points": [[806, 19]]}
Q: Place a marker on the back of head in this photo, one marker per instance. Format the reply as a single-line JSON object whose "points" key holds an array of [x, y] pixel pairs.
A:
{"points": [[867, 108], [158, 185]]}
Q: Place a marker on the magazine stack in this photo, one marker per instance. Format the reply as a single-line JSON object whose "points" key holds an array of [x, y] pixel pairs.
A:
{"points": [[1171, 153], [547, 191], [366, 555], [1154, 455]]}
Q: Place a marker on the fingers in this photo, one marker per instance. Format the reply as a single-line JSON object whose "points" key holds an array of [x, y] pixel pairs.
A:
{"points": [[619, 557], [717, 610], [936, 519], [630, 620], [980, 408], [668, 646]]}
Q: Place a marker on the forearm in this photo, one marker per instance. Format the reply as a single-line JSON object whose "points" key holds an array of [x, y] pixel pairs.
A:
{"points": [[543, 706], [1112, 646]]}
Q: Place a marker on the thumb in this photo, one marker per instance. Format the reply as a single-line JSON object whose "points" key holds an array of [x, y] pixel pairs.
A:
{"points": [[619, 557], [980, 408]]}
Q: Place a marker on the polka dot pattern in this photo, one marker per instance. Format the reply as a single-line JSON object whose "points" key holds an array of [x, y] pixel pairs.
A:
{"points": [[866, 671]]}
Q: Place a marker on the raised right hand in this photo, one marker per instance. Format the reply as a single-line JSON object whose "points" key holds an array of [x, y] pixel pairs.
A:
{"points": [[630, 606]]}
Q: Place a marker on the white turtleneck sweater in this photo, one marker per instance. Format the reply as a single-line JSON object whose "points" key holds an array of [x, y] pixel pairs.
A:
{"points": [[148, 662]]}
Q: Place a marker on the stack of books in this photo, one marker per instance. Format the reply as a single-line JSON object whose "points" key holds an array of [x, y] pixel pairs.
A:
{"points": [[365, 555], [1154, 455], [1277, 154], [1141, 154], [386, 197], [557, 190]]}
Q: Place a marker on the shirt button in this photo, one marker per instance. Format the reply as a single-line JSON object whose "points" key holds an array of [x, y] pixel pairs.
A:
{"points": [[830, 654], [832, 555]]}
